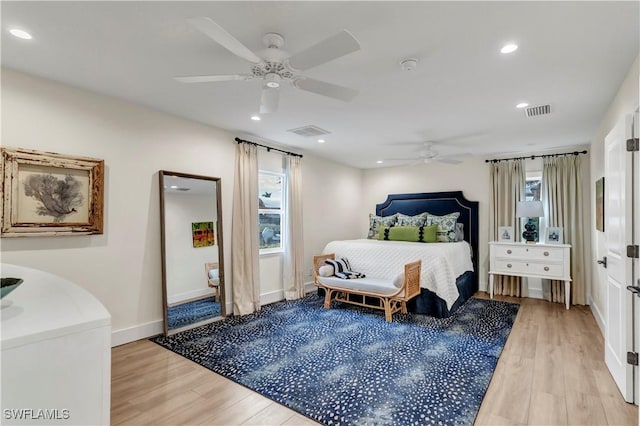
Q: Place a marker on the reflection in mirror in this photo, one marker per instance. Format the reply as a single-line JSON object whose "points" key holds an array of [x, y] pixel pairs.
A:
{"points": [[192, 254]]}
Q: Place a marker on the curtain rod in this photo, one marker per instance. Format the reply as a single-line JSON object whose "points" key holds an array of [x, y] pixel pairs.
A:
{"points": [[496, 160], [268, 148]]}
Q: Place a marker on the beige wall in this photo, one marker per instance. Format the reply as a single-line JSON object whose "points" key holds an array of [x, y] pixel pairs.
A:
{"points": [[122, 267], [625, 102]]}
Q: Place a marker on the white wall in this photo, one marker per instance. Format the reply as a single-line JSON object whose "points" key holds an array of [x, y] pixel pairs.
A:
{"points": [[625, 102], [471, 177], [186, 277], [122, 266]]}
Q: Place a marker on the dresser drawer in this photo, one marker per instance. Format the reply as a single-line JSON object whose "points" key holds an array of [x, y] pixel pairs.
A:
{"points": [[531, 252], [545, 269]]}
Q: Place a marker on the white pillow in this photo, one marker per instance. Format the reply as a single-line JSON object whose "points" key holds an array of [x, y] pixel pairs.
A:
{"points": [[398, 281], [325, 271], [213, 274]]}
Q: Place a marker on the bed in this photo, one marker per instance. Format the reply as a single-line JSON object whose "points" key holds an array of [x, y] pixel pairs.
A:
{"points": [[449, 272]]}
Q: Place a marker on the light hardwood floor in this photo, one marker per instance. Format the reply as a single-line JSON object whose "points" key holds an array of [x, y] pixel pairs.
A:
{"points": [[551, 372]]}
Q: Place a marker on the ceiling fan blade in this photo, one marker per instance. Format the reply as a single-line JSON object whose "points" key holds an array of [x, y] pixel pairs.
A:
{"points": [[212, 78], [269, 100], [218, 34], [327, 50], [326, 89]]}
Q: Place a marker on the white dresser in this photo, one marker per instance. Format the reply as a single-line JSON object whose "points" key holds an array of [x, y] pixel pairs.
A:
{"points": [[56, 352], [548, 261]]}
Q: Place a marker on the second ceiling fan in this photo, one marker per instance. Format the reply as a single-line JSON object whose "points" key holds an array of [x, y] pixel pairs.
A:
{"points": [[275, 66]]}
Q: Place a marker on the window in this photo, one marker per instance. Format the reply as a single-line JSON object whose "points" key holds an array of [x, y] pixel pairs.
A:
{"points": [[532, 187], [270, 211]]}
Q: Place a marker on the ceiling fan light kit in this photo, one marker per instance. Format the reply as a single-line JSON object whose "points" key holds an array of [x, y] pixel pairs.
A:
{"points": [[274, 65]]}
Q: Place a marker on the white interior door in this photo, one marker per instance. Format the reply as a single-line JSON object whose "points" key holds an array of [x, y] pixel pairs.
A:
{"points": [[618, 220]]}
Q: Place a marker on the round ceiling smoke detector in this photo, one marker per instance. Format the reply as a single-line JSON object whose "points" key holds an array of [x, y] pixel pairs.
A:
{"points": [[409, 64]]}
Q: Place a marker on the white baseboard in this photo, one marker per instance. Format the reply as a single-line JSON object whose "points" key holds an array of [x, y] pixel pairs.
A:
{"points": [[274, 296], [190, 295], [597, 315], [535, 293], [483, 286], [138, 332], [150, 329]]}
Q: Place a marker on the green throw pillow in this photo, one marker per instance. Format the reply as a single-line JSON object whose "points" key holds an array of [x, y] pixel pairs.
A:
{"points": [[423, 234]]}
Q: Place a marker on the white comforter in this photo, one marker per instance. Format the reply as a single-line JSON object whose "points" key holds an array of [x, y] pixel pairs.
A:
{"points": [[442, 263]]}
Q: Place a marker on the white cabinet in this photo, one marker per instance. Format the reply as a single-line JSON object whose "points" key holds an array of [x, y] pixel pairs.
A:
{"points": [[548, 261], [56, 352]]}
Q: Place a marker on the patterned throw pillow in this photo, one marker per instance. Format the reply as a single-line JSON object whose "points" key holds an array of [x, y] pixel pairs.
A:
{"points": [[376, 222], [417, 220], [446, 226]]}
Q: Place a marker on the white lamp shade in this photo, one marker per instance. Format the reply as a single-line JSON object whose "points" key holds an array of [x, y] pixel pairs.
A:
{"points": [[529, 209]]}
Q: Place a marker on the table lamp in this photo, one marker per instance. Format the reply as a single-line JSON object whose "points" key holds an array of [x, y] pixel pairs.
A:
{"points": [[530, 209]]}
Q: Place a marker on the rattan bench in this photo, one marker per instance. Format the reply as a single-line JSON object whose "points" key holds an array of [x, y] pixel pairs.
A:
{"points": [[389, 297]]}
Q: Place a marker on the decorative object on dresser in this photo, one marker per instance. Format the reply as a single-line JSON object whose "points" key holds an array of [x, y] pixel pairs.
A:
{"points": [[537, 261], [529, 210], [505, 233], [554, 235], [47, 194]]}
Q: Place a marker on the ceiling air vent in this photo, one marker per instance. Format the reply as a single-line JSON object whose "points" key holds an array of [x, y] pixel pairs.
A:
{"points": [[538, 110], [309, 131]]}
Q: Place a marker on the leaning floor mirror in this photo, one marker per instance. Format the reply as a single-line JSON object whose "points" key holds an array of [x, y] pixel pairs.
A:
{"points": [[192, 254]]}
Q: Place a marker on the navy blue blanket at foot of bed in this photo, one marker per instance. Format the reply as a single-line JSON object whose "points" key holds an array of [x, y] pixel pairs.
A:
{"points": [[428, 303]]}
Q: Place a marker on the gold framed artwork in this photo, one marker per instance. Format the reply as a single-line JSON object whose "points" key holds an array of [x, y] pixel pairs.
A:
{"points": [[203, 234], [600, 204], [49, 194]]}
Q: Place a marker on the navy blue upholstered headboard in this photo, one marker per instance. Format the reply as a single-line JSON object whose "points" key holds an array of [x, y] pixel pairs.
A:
{"points": [[438, 203]]}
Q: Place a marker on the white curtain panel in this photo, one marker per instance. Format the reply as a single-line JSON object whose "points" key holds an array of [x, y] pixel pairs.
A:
{"points": [[562, 199], [507, 188], [293, 271], [245, 249]]}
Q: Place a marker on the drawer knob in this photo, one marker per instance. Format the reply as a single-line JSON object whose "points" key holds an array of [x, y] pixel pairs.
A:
{"points": [[508, 265], [546, 268], [509, 252], [546, 253]]}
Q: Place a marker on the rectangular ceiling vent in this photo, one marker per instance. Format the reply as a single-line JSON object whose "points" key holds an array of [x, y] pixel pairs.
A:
{"points": [[309, 131], [538, 110]]}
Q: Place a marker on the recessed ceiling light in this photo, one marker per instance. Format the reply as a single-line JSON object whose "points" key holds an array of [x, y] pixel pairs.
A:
{"points": [[321, 141], [508, 48], [379, 161], [20, 34], [255, 117], [522, 105]]}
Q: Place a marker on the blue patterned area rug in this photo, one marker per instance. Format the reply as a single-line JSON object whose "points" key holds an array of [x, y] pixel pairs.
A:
{"points": [[347, 366], [192, 312]]}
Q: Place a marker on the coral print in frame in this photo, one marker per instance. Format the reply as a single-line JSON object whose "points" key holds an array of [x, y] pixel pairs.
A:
{"points": [[47, 194]]}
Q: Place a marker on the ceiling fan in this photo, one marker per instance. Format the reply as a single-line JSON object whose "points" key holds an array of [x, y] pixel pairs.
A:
{"points": [[429, 155], [275, 66]]}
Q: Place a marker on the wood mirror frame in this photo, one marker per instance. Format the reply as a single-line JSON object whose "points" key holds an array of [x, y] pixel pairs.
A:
{"points": [[196, 273]]}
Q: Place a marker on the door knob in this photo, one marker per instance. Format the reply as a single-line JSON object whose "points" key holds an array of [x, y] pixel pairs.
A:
{"points": [[603, 262], [634, 289]]}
